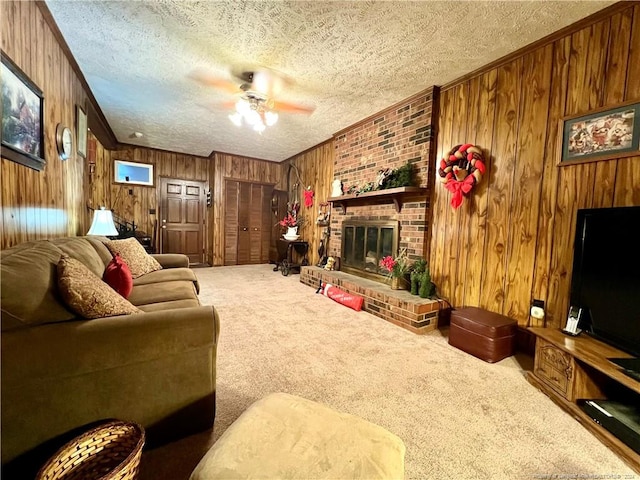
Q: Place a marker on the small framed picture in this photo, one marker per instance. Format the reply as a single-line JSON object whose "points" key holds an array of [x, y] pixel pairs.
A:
{"points": [[133, 173], [81, 133], [603, 134]]}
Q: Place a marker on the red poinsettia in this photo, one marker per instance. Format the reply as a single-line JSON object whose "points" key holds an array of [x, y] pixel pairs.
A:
{"points": [[396, 267], [388, 263], [289, 221]]}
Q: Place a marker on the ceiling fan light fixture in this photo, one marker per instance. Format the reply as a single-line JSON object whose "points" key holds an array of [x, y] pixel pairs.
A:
{"points": [[252, 117], [270, 118], [255, 111], [236, 119], [243, 106]]}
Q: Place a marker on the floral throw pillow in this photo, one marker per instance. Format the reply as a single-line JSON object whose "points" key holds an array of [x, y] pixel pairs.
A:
{"points": [[86, 294], [134, 255]]}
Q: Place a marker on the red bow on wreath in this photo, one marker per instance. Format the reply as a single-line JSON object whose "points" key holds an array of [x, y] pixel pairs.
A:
{"points": [[461, 170], [458, 188]]}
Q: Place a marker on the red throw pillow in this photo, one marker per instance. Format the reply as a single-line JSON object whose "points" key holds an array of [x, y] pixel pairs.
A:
{"points": [[118, 276]]}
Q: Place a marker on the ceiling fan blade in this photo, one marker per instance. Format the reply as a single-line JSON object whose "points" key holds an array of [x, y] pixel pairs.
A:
{"points": [[292, 107], [208, 79], [269, 82]]}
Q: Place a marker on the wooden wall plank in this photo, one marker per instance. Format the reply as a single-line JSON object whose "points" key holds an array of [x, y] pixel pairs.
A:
{"points": [[618, 58], [440, 197], [501, 185], [544, 244], [525, 200], [480, 130], [588, 61], [449, 250], [627, 188], [315, 167], [633, 64], [460, 217]]}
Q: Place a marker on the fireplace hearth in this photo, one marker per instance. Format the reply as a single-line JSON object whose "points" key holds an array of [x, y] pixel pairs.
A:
{"points": [[365, 243]]}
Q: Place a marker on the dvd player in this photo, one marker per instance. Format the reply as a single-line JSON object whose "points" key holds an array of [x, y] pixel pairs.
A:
{"points": [[621, 419]]}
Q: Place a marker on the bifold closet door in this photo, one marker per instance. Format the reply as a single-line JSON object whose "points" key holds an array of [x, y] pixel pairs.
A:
{"points": [[247, 220]]}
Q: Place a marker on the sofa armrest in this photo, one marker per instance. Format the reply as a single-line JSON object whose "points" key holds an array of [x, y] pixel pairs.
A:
{"points": [[84, 346], [171, 260]]}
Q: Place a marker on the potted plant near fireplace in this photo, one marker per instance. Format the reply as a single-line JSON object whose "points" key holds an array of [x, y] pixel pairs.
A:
{"points": [[397, 269]]}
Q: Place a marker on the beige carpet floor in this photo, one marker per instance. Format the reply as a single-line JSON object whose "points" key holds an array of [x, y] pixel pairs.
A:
{"points": [[460, 418]]}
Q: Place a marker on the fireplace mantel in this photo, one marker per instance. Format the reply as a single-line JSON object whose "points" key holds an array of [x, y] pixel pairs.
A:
{"points": [[395, 195]]}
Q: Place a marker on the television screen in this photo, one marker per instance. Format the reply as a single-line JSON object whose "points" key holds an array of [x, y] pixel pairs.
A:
{"points": [[606, 275]]}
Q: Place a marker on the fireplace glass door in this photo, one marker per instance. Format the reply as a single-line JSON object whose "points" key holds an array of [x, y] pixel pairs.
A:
{"points": [[365, 243]]}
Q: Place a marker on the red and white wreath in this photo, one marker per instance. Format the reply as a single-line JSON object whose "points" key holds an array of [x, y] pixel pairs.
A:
{"points": [[461, 170]]}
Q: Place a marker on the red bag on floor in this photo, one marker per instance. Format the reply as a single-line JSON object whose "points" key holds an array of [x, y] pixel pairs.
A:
{"points": [[340, 296]]}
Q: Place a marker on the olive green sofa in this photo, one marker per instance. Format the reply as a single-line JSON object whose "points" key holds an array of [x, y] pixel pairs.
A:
{"points": [[61, 373]]}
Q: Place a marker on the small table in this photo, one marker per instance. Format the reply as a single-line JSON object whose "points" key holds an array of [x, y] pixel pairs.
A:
{"points": [[286, 251]]}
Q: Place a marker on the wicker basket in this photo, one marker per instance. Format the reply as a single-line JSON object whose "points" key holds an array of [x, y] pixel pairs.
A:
{"points": [[110, 451]]}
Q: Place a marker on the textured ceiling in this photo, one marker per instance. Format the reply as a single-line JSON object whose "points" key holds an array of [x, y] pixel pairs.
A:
{"points": [[349, 59]]}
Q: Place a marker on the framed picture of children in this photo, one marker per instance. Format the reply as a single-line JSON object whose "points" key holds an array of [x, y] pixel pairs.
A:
{"points": [[601, 135]]}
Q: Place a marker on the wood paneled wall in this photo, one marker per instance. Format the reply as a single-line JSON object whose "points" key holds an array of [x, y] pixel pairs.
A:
{"points": [[315, 169], [134, 202], [512, 239], [227, 166], [50, 203]]}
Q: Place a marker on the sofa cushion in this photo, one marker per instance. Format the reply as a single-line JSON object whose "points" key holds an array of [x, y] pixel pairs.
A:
{"points": [[31, 267], [168, 275], [134, 255], [98, 243], [87, 294], [118, 276], [163, 292], [170, 305], [81, 249]]}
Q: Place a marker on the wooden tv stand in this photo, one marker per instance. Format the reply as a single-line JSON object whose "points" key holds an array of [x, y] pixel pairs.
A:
{"points": [[568, 369]]}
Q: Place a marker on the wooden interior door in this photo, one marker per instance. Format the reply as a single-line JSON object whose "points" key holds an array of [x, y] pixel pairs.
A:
{"points": [[182, 214], [231, 194], [246, 222]]}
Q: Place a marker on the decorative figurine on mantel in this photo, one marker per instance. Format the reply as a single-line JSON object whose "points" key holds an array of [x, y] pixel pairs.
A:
{"points": [[336, 188]]}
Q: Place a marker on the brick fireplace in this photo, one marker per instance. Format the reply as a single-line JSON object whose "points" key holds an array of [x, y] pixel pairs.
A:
{"points": [[402, 133]]}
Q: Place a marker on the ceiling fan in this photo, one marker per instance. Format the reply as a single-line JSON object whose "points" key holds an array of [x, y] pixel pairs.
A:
{"points": [[257, 103]]}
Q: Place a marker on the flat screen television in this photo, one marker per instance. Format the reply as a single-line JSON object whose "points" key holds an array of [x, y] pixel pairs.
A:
{"points": [[605, 280]]}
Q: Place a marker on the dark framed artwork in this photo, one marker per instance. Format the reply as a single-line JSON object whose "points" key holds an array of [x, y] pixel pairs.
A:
{"points": [[601, 135], [22, 117], [81, 131]]}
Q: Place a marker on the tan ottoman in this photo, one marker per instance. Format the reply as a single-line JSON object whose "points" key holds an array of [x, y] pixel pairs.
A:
{"points": [[283, 436]]}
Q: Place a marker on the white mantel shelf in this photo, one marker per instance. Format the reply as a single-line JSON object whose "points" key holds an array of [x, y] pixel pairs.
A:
{"points": [[395, 195]]}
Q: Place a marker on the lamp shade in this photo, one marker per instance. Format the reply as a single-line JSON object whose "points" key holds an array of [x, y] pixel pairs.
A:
{"points": [[102, 223]]}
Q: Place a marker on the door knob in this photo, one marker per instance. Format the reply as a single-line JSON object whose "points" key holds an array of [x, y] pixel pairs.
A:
{"points": [[164, 226], [164, 220]]}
